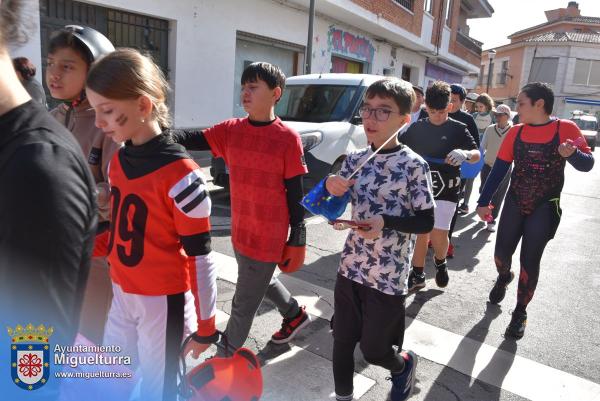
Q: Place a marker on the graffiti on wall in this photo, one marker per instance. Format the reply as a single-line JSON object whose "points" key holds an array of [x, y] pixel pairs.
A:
{"points": [[348, 44]]}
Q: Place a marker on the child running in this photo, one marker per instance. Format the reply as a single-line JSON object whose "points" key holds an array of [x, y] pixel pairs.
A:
{"points": [[164, 278], [392, 194]]}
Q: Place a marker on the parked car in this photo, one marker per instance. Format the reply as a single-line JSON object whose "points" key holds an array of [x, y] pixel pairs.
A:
{"points": [[589, 128], [323, 108]]}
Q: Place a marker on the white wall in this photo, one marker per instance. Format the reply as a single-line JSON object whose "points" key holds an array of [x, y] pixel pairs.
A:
{"points": [[202, 46]]}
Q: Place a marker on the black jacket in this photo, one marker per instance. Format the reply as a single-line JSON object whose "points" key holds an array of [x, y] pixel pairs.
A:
{"points": [[47, 222]]}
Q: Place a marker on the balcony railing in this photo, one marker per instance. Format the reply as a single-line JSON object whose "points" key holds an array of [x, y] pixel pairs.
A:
{"points": [[406, 4], [469, 43]]}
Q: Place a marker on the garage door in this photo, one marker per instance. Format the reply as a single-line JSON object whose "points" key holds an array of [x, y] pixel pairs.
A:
{"points": [[251, 48]]}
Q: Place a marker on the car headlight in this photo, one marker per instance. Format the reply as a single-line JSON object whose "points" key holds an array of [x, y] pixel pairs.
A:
{"points": [[311, 139]]}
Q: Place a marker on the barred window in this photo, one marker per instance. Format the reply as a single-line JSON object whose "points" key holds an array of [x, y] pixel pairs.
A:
{"points": [[406, 4]]}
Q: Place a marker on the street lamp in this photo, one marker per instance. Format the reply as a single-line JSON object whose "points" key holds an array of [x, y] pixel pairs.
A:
{"points": [[491, 55]]}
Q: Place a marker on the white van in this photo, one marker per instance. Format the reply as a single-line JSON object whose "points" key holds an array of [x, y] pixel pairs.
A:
{"points": [[323, 108]]}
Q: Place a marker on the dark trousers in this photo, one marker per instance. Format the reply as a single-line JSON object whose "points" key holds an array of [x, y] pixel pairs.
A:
{"points": [[535, 230], [498, 197], [371, 318]]}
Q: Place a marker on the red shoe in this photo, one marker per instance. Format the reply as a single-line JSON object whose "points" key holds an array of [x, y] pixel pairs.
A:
{"points": [[290, 327], [450, 253]]}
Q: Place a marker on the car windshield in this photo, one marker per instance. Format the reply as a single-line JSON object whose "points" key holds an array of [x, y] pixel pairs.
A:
{"points": [[586, 125], [316, 103]]}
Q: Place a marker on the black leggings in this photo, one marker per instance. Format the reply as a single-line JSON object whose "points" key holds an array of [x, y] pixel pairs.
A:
{"points": [[374, 320], [535, 229]]}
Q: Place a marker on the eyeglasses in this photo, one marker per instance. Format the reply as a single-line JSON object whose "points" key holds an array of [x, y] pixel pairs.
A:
{"points": [[380, 114]]}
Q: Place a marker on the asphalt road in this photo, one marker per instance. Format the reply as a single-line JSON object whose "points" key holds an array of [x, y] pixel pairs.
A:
{"points": [[562, 340]]}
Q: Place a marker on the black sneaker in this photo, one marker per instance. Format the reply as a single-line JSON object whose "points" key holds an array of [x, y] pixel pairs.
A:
{"points": [[441, 276], [499, 290], [463, 209], [403, 383], [416, 282], [516, 327]]}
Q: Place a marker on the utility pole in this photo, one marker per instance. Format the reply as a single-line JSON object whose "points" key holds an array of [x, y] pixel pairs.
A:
{"points": [[491, 55], [309, 44]]}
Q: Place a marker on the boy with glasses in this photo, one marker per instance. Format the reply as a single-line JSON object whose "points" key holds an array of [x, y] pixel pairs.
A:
{"points": [[392, 197], [445, 143]]}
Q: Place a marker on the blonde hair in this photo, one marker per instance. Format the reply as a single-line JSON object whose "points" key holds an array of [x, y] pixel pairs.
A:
{"points": [[126, 74]]}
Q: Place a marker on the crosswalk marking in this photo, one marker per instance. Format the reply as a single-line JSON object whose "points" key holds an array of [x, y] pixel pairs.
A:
{"points": [[281, 374], [294, 374], [513, 373]]}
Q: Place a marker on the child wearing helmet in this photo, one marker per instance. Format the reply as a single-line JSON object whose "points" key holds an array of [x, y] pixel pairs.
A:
{"points": [[162, 270], [71, 52]]}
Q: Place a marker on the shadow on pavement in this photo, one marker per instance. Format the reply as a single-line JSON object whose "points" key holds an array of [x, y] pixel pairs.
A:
{"points": [[451, 384], [419, 300], [322, 272], [467, 246]]}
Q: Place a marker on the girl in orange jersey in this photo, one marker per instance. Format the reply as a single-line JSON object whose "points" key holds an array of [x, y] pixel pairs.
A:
{"points": [[163, 274]]}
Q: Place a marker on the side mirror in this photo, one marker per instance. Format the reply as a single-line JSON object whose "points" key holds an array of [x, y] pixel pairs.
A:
{"points": [[356, 120]]}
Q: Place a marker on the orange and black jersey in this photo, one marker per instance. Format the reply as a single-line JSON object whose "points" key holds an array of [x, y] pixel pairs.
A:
{"points": [[160, 212]]}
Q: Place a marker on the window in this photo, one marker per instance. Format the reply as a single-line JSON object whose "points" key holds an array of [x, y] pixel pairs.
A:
{"points": [[406, 73], [428, 6], [449, 5], [587, 72], [502, 75], [316, 103], [543, 69], [406, 4]]}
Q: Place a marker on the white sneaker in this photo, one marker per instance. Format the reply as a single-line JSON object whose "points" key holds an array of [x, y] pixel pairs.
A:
{"points": [[491, 227]]}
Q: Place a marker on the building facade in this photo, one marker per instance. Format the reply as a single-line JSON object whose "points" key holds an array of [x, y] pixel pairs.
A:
{"points": [[203, 46], [564, 52]]}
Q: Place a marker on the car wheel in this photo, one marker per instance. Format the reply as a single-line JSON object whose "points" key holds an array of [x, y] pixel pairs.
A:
{"points": [[337, 165]]}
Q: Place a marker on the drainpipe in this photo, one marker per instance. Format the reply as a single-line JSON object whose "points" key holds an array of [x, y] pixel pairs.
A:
{"points": [[309, 44]]}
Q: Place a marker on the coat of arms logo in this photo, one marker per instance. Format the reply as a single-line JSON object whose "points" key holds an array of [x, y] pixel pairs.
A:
{"points": [[30, 355]]}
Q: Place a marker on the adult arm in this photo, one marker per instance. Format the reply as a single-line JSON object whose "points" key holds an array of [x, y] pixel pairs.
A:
{"points": [[493, 181], [581, 161]]}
